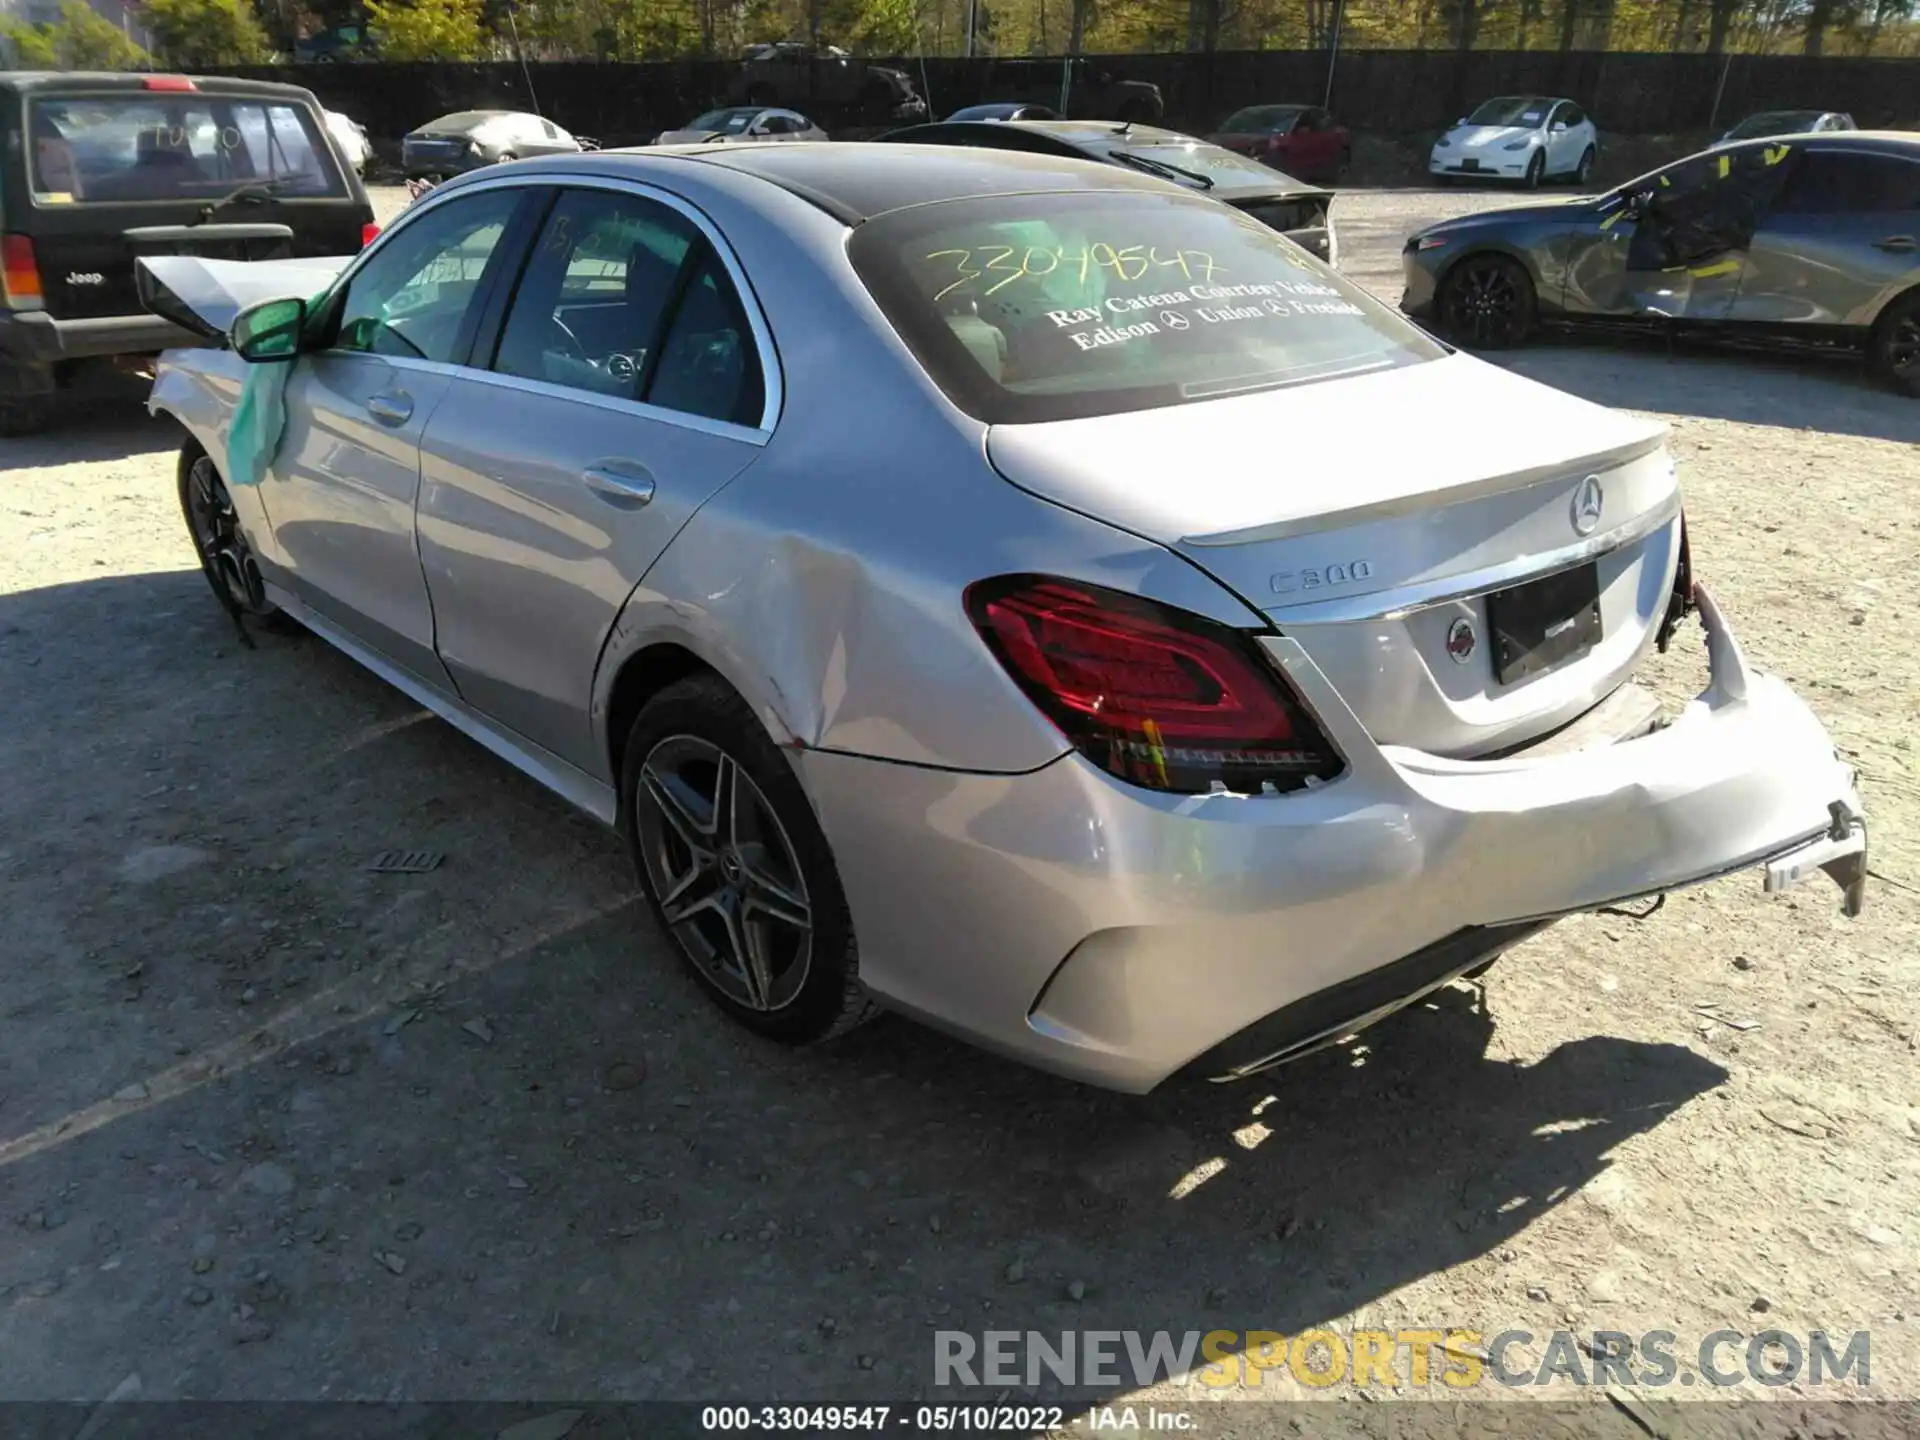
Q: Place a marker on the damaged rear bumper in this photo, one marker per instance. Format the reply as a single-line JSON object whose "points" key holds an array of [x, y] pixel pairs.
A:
{"points": [[1115, 934]]}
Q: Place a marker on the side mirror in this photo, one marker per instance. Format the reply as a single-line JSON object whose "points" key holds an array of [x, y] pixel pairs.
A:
{"points": [[1559, 126], [269, 332]]}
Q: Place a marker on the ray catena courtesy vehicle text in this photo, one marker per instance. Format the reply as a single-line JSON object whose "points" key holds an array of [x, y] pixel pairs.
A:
{"points": [[979, 585]]}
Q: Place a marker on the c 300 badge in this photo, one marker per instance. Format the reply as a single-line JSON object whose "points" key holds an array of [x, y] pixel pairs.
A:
{"points": [[1323, 577]]}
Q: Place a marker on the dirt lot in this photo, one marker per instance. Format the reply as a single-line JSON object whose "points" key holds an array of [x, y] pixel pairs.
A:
{"points": [[272, 1126]]}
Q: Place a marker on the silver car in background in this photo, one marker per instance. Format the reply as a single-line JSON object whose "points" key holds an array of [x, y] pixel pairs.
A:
{"points": [[743, 125], [1022, 593], [469, 139]]}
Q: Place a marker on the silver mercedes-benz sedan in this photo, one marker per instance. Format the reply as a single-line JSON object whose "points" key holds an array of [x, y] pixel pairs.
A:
{"points": [[1004, 589]]}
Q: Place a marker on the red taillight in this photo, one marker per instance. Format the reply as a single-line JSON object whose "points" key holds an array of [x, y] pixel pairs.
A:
{"points": [[168, 82], [19, 272], [369, 233], [1156, 696]]}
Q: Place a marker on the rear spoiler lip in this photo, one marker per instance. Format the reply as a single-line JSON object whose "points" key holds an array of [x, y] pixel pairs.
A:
{"points": [[1603, 460]]}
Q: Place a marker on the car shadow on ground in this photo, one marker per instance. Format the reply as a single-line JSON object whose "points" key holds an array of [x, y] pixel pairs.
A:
{"points": [[473, 1133], [1798, 391]]}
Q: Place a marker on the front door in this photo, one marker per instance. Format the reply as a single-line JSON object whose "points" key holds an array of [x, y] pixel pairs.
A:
{"points": [[341, 491], [1678, 248], [627, 387], [1843, 235]]}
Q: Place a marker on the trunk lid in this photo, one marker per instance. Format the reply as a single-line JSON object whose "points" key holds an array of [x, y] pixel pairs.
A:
{"points": [[1369, 517]]}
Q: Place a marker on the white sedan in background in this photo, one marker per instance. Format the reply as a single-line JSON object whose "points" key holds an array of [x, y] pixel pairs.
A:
{"points": [[351, 136], [1529, 138], [749, 124]]}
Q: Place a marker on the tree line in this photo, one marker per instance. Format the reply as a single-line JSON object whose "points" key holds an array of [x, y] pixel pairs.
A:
{"points": [[208, 35]]}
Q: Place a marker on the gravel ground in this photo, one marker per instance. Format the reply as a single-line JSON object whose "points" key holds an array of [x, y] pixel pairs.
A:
{"points": [[275, 1127]]}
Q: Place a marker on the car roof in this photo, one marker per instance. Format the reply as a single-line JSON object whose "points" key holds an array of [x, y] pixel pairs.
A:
{"points": [[135, 82], [856, 181], [1896, 142]]}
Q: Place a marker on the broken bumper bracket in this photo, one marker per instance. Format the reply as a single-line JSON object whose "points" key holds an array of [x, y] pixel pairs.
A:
{"points": [[1841, 852]]}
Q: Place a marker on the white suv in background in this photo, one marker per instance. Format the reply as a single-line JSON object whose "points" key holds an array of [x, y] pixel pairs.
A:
{"points": [[1529, 138]]}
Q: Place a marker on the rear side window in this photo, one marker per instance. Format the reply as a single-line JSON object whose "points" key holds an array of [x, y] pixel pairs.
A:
{"points": [[1054, 307], [1834, 182], [145, 147], [624, 297]]}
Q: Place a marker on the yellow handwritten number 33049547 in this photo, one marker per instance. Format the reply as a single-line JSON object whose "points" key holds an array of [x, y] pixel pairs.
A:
{"points": [[1008, 263]]}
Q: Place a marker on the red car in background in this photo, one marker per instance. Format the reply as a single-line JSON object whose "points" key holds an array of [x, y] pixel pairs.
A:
{"points": [[1303, 140]]}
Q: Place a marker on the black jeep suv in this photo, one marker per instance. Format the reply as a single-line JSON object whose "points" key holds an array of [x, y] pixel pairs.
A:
{"points": [[96, 170]]}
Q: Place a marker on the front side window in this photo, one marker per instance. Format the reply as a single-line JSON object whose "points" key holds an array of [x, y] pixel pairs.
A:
{"points": [[1053, 307], [1262, 120], [414, 295], [131, 147]]}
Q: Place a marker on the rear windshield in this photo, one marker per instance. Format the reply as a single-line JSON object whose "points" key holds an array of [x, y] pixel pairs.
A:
{"points": [[1778, 122], [1054, 307], [119, 148], [460, 122], [1261, 119], [1195, 163]]}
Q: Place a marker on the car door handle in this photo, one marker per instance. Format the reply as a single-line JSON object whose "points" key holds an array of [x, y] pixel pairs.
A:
{"points": [[1895, 243], [392, 409], [627, 486]]}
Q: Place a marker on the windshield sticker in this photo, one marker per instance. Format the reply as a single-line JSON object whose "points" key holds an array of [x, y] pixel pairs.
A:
{"points": [[1121, 318]]}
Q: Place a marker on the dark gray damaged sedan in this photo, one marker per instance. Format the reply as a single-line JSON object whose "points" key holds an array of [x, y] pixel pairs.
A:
{"points": [[1812, 238]]}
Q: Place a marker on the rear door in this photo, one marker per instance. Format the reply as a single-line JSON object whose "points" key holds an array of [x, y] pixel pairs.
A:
{"points": [[628, 386], [1842, 237], [119, 174]]}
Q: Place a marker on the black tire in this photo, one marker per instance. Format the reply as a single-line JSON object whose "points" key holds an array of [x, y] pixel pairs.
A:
{"points": [[1584, 170], [1896, 344], [226, 557], [23, 415], [1487, 301], [1536, 170], [797, 988]]}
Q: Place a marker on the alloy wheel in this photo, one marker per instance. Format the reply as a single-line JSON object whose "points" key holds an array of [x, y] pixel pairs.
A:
{"points": [[216, 535], [724, 872], [1484, 303]]}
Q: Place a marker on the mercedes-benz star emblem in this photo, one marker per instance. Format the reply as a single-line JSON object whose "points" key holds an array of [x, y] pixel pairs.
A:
{"points": [[1588, 499], [1461, 641]]}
